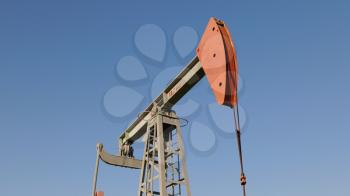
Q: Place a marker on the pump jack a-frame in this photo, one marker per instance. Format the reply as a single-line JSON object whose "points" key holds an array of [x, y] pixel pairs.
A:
{"points": [[163, 165]]}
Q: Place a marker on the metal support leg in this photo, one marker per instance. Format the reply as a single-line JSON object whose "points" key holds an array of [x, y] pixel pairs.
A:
{"points": [[143, 177], [163, 170], [161, 156], [183, 158]]}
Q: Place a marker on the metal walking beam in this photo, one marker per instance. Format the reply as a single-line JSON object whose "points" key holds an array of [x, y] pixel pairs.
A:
{"points": [[216, 58]]}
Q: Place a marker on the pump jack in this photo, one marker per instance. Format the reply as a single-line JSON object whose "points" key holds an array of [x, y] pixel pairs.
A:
{"points": [[163, 165]]}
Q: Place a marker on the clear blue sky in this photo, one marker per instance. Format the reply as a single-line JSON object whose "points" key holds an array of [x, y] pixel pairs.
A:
{"points": [[57, 60]]}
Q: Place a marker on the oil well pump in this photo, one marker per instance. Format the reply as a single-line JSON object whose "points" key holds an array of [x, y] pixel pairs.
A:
{"points": [[163, 164]]}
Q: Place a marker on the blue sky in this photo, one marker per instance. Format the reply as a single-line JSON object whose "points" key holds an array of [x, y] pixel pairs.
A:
{"points": [[57, 60]]}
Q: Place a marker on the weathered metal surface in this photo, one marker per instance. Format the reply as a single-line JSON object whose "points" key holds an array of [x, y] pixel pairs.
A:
{"points": [[120, 161], [163, 169], [100, 193], [217, 55], [182, 83]]}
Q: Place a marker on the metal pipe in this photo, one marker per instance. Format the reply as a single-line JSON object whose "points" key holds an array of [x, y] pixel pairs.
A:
{"points": [[96, 171]]}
